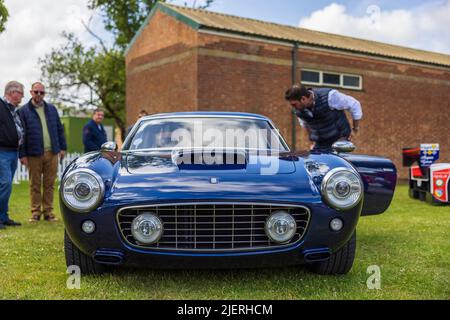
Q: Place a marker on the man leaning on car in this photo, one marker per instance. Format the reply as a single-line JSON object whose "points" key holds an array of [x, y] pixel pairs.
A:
{"points": [[321, 112], [44, 142], [11, 137]]}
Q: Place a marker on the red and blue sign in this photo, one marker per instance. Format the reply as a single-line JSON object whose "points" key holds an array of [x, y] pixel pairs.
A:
{"points": [[429, 154], [441, 179]]}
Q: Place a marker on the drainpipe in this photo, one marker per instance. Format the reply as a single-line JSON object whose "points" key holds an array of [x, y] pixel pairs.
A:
{"points": [[294, 81]]}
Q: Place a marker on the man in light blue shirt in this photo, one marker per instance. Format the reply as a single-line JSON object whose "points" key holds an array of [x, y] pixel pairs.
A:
{"points": [[322, 113]]}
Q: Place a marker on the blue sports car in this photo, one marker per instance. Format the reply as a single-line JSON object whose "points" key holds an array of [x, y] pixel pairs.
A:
{"points": [[218, 190]]}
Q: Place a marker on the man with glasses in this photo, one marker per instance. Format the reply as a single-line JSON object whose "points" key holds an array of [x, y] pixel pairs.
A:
{"points": [[11, 137], [44, 143]]}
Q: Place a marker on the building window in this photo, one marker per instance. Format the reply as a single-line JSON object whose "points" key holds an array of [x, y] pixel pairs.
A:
{"points": [[311, 76], [332, 79], [352, 81]]}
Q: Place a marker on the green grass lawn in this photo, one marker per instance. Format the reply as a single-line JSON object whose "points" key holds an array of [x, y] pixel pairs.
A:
{"points": [[410, 243]]}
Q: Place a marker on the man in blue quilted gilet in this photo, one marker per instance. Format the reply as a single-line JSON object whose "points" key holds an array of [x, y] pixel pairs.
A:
{"points": [[44, 145], [322, 113]]}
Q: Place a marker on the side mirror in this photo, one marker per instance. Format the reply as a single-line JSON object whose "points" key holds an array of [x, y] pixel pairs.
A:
{"points": [[109, 147], [343, 147]]}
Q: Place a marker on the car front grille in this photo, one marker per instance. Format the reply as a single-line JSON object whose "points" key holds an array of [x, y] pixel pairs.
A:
{"points": [[213, 226]]}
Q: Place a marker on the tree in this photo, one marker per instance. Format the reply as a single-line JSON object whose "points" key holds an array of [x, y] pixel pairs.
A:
{"points": [[87, 77], [3, 16], [95, 77], [123, 18]]}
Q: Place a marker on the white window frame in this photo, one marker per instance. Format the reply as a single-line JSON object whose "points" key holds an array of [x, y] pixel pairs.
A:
{"points": [[332, 84], [312, 83], [341, 75], [355, 76]]}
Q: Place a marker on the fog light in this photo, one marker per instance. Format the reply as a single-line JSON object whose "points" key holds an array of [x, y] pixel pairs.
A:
{"points": [[147, 228], [88, 227], [281, 227], [336, 224]]}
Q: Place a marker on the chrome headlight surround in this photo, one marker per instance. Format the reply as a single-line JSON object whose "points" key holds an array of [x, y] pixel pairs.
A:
{"points": [[342, 189], [82, 190]]}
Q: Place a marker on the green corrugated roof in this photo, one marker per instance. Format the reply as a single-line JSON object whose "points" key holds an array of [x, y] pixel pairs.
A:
{"points": [[204, 19]]}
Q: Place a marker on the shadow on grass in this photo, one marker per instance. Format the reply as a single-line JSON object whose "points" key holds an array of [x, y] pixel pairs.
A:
{"points": [[282, 283]]}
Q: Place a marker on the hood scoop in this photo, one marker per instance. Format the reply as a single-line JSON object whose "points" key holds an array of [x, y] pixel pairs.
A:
{"points": [[193, 162], [210, 160]]}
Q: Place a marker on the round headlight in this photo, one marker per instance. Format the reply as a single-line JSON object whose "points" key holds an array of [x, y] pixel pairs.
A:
{"points": [[82, 190], [147, 228], [281, 227], [342, 189]]}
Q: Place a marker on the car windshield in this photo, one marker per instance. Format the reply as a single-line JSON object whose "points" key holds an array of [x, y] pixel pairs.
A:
{"points": [[217, 133]]}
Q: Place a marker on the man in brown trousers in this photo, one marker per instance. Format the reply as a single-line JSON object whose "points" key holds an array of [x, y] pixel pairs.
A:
{"points": [[44, 143]]}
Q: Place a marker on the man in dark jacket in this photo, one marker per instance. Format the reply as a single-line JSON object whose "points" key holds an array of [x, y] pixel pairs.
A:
{"points": [[44, 142], [322, 113], [94, 134], [11, 137]]}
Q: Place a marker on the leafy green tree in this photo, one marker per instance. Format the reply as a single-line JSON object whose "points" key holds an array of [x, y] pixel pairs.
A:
{"points": [[123, 18], [3, 16], [95, 76], [87, 77]]}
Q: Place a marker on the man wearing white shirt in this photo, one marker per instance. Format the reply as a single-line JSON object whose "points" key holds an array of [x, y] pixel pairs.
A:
{"points": [[322, 113]]}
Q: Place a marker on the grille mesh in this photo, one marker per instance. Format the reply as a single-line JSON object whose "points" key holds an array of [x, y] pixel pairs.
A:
{"points": [[213, 227]]}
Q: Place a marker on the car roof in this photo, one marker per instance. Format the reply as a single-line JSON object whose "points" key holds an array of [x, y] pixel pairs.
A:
{"points": [[207, 114]]}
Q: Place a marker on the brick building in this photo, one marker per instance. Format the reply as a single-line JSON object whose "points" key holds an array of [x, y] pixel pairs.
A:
{"points": [[186, 59]]}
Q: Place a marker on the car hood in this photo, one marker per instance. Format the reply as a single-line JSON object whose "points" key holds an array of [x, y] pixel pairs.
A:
{"points": [[145, 178], [161, 163]]}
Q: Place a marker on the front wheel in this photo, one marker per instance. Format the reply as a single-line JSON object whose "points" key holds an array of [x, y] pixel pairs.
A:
{"points": [[74, 257], [340, 262]]}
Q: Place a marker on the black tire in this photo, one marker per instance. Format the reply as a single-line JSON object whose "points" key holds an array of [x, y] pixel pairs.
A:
{"points": [[413, 193], [422, 196], [74, 257], [340, 262]]}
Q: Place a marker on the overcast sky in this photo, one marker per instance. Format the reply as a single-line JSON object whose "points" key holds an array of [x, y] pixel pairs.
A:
{"points": [[34, 27]]}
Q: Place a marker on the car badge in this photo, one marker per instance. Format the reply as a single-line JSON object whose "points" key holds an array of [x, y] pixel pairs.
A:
{"points": [[214, 181]]}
